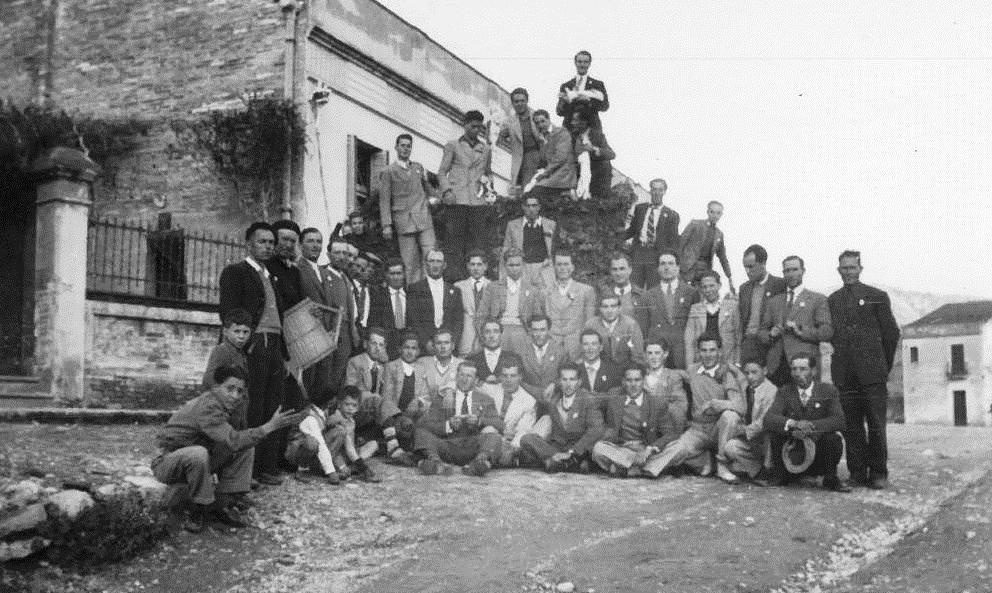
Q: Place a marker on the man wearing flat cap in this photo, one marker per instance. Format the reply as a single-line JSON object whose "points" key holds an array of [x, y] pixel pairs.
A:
{"points": [[804, 421]]}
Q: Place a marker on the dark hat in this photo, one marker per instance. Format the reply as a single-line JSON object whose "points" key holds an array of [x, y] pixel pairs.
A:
{"points": [[798, 454]]}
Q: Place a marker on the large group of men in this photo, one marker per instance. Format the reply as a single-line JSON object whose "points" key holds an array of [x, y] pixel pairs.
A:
{"points": [[449, 364]]}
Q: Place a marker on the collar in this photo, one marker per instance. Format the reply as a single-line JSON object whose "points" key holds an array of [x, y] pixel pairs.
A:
{"points": [[537, 221], [795, 291], [258, 267], [808, 390], [435, 282], [674, 283], [540, 349], [592, 365], [393, 291], [337, 273], [637, 400], [495, 352], [442, 368], [611, 325], [404, 164], [513, 285], [764, 280], [622, 290], [712, 307], [464, 138], [711, 372], [407, 367], [466, 394]]}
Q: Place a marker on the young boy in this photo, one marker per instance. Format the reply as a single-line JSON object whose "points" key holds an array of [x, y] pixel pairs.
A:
{"points": [[231, 350], [349, 458]]}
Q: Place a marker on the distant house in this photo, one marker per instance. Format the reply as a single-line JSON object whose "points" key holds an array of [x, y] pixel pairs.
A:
{"points": [[947, 365]]}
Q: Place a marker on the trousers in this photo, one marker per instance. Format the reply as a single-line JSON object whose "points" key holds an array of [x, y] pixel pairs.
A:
{"points": [[266, 373], [195, 467], [699, 439], [865, 411], [458, 450]]}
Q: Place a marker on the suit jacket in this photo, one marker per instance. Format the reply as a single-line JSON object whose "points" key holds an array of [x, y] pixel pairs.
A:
{"points": [[811, 314], [656, 428], [764, 397], [865, 338], [512, 133], [485, 371], [691, 244], [331, 290], [358, 373], [823, 409], [403, 198], [514, 236], [492, 305], [420, 309], [583, 424], [634, 303], [442, 409], [669, 385], [437, 380], [598, 139], [561, 169], [565, 108], [381, 315], [569, 313], [730, 334], [468, 341], [537, 375], [392, 388], [773, 286], [241, 288], [666, 228], [287, 285], [670, 325], [609, 376], [461, 167], [623, 345]]}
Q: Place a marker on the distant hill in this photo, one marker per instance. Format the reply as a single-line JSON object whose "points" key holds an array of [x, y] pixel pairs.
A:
{"points": [[908, 305]]}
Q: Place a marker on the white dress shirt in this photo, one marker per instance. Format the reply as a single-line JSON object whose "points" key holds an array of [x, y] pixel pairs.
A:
{"points": [[437, 293]]}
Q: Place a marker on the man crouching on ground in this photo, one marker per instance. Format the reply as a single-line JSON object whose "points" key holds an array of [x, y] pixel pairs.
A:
{"points": [[198, 441]]}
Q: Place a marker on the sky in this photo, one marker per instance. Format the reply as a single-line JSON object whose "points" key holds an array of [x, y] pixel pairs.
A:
{"points": [[820, 126]]}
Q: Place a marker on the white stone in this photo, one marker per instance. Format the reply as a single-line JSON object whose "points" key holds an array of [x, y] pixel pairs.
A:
{"points": [[24, 492], [21, 548], [23, 520], [107, 490], [566, 587], [71, 502], [149, 487]]}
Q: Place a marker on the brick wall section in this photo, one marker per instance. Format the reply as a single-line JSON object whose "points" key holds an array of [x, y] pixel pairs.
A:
{"points": [[156, 60], [145, 357]]}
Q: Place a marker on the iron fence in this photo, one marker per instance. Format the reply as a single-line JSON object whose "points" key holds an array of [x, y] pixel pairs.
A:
{"points": [[136, 262]]}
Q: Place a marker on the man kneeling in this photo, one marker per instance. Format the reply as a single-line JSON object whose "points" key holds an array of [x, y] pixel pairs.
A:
{"points": [[451, 430], [198, 441], [807, 415], [635, 428]]}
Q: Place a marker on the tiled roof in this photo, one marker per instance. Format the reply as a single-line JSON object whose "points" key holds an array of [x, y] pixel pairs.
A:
{"points": [[970, 312]]}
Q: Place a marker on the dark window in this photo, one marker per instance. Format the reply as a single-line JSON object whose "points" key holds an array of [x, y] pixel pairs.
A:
{"points": [[914, 354], [957, 361]]}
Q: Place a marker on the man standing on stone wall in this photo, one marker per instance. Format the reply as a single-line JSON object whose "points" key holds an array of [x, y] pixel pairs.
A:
{"points": [[403, 207]]}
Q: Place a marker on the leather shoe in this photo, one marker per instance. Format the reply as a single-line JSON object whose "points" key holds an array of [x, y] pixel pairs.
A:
{"points": [[878, 483], [860, 480], [270, 479], [195, 520], [723, 472], [230, 516], [477, 468], [428, 467], [553, 467], [834, 484]]}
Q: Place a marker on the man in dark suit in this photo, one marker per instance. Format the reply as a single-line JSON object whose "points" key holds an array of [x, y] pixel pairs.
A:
{"points": [[653, 227], [576, 425], [451, 432], [754, 296], [337, 287], [249, 285], [598, 375], [590, 142], [807, 409], [582, 92], [668, 308], [283, 264], [633, 299], [389, 306], [865, 339], [701, 242], [490, 360], [434, 303]]}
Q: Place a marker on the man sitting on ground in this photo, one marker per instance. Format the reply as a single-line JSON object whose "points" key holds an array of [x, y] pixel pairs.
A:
{"points": [[198, 442], [747, 453], [517, 408], [451, 432]]}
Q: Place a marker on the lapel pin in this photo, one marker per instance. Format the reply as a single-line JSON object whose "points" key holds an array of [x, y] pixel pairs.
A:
{"points": [[861, 302]]}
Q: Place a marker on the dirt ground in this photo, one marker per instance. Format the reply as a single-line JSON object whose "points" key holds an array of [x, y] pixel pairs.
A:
{"points": [[524, 530]]}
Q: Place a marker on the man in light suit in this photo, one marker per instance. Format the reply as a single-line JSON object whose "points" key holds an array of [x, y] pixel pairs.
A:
{"points": [[466, 166], [520, 132], [711, 315], [518, 409], [569, 304], [749, 453], [669, 305], [439, 369], [329, 286], [582, 92], [807, 409], [404, 388], [653, 227], [621, 336], [377, 417], [558, 171], [865, 342], [754, 295], [532, 235], [511, 301], [434, 303], [576, 426], [666, 384], [542, 358], [701, 241], [403, 209], [471, 289], [795, 321], [633, 299]]}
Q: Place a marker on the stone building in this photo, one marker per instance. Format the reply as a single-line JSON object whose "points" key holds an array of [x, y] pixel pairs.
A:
{"points": [[359, 76], [947, 365]]}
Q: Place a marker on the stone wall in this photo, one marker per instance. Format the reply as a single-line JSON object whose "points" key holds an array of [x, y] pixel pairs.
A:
{"points": [[145, 357]]}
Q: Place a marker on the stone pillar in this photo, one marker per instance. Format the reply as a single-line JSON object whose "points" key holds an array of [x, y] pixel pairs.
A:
{"points": [[64, 179]]}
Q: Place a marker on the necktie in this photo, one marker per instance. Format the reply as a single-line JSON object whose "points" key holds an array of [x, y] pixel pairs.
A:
{"points": [[399, 317], [375, 378], [478, 293], [750, 404], [631, 401], [804, 396], [651, 230], [789, 297], [669, 302], [464, 410]]}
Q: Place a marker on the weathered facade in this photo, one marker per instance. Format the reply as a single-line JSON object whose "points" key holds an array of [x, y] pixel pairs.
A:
{"points": [[947, 365]]}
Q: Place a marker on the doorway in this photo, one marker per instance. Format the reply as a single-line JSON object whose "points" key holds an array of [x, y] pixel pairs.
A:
{"points": [[960, 409]]}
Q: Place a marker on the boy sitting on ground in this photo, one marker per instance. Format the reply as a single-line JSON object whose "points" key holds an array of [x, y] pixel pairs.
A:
{"points": [[350, 455]]}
